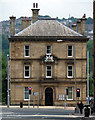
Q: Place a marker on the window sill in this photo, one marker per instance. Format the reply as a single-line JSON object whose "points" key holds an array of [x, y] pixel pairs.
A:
{"points": [[70, 56], [69, 77], [48, 77], [26, 99], [26, 56], [26, 77], [69, 99]]}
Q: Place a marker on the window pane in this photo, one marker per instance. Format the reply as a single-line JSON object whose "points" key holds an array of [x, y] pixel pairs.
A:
{"points": [[26, 93], [70, 71], [26, 47], [26, 71], [70, 92], [48, 73], [69, 50], [26, 68], [70, 47], [26, 50], [48, 49], [26, 88], [70, 95], [48, 67], [69, 67]]}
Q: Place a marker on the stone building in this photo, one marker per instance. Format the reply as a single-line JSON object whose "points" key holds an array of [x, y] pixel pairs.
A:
{"points": [[42, 57]]}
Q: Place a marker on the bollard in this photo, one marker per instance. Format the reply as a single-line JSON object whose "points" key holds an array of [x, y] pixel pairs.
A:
{"points": [[21, 104]]}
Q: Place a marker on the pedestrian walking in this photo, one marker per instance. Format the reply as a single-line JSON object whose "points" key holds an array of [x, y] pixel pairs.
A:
{"points": [[81, 107], [91, 106]]}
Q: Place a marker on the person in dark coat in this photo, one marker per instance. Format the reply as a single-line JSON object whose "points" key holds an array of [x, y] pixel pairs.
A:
{"points": [[81, 107]]}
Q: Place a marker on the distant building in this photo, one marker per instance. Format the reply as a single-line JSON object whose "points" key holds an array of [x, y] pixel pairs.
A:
{"points": [[42, 57], [90, 34]]}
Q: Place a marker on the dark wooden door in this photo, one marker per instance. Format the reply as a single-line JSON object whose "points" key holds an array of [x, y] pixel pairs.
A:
{"points": [[49, 97]]}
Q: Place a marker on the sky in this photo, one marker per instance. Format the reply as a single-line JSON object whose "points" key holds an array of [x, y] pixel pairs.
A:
{"points": [[53, 8]]}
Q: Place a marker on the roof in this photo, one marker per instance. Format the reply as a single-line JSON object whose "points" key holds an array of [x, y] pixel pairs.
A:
{"points": [[47, 28]]}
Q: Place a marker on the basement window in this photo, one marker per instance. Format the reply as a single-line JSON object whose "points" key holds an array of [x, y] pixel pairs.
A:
{"points": [[26, 51]]}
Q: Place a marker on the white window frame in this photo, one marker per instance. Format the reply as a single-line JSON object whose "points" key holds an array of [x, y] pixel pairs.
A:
{"points": [[68, 93], [72, 50], [25, 52], [46, 72], [24, 95], [46, 50], [24, 72], [72, 72]]}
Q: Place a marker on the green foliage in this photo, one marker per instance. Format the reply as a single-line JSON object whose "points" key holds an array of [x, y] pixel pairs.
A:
{"points": [[46, 16], [5, 43], [89, 21], [91, 86], [4, 80], [90, 48]]}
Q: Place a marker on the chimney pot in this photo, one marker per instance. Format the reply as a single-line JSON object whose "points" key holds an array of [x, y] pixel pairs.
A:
{"points": [[35, 12], [74, 23], [79, 20], [36, 5], [33, 5], [74, 26], [84, 16]]}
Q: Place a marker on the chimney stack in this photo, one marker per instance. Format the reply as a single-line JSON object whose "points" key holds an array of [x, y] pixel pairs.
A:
{"points": [[79, 26], [83, 24], [12, 26], [35, 12], [26, 21], [94, 52], [74, 26]]}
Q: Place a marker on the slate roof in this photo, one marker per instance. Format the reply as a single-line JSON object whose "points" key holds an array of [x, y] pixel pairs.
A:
{"points": [[47, 28]]}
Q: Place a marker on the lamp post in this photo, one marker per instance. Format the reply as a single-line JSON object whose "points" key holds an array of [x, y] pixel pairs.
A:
{"points": [[75, 74], [94, 52], [8, 85], [88, 77]]}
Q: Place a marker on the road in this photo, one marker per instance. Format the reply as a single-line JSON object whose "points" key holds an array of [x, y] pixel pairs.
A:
{"points": [[38, 114]]}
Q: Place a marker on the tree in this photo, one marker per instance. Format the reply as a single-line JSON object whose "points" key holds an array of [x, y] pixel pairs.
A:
{"points": [[4, 80]]}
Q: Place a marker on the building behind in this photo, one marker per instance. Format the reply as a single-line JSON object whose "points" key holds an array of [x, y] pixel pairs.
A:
{"points": [[42, 57]]}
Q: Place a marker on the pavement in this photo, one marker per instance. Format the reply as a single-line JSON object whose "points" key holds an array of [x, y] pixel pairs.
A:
{"points": [[72, 115], [42, 107]]}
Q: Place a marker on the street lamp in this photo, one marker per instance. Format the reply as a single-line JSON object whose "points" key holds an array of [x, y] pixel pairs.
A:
{"points": [[8, 85]]}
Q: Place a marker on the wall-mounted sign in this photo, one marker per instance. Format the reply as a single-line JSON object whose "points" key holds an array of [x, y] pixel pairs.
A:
{"points": [[35, 93], [61, 97]]}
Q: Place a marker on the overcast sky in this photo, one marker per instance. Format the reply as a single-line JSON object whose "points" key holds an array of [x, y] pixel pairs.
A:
{"points": [[54, 8]]}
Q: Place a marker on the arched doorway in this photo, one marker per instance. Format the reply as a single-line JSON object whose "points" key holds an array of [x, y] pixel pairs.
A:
{"points": [[49, 97]]}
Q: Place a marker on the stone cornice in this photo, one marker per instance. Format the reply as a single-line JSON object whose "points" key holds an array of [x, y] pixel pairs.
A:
{"points": [[49, 38]]}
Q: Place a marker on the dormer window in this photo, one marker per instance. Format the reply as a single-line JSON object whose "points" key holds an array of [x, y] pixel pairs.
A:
{"points": [[26, 51], [48, 50]]}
